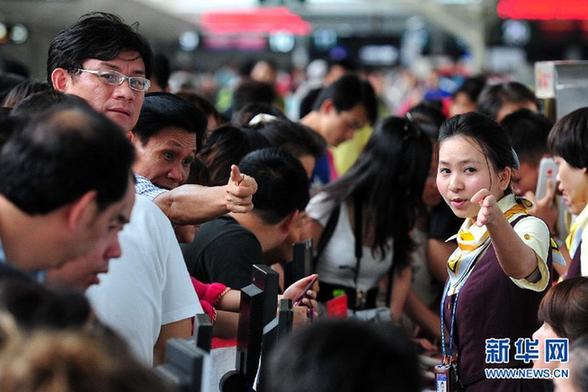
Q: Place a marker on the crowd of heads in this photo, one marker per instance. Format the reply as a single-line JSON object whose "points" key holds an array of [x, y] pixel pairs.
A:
{"points": [[72, 148]]}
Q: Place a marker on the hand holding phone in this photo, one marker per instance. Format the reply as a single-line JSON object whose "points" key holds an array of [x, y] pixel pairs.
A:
{"points": [[297, 301], [547, 172]]}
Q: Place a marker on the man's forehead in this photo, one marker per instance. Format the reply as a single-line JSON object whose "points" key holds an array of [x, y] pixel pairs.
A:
{"points": [[122, 59], [173, 136]]}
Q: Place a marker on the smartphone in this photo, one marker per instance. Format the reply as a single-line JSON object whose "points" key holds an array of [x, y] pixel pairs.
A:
{"points": [[547, 171], [301, 296]]}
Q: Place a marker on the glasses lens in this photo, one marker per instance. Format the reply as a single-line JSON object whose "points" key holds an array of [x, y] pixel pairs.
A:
{"points": [[111, 77], [139, 84]]}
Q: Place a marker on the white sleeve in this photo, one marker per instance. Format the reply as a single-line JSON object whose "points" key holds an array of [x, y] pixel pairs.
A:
{"points": [[319, 208], [179, 296], [535, 234]]}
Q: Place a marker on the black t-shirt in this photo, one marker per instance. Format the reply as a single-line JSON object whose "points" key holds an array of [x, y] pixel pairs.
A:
{"points": [[224, 252]]}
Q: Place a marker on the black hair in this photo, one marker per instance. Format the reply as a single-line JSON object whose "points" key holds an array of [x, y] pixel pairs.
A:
{"points": [[428, 117], [346, 93], [492, 98], [97, 35], [161, 110], [8, 125], [282, 183], [245, 67], [472, 87], [347, 64], [252, 91], [294, 138], [388, 178], [8, 81], [201, 103], [161, 69], [34, 306], [199, 173], [226, 146], [14, 67], [62, 154], [569, 138], [488, 134], [528, 132], [37, 103], [565, 308], [22, 91], [344, 356], [244, 115]]}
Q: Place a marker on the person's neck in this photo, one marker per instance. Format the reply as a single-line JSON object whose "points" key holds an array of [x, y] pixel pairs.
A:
{"points": [[312, 120], [25, 237], [262, 231]]}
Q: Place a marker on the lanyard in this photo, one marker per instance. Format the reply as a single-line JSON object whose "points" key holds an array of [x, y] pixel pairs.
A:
{"points": [[444, 349], [2, 254]]}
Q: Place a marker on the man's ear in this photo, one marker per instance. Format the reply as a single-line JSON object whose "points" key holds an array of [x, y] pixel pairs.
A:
{"points": [[132, 136], [82, 210], [137, 142], [286, 223], [59, 79], [327, 106]]}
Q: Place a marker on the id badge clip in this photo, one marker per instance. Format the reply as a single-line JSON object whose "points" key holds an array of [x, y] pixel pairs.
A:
{"points": [[446, 375]]}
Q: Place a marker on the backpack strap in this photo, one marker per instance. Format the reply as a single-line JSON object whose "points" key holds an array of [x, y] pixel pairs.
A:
{"points": [[326, 235]]}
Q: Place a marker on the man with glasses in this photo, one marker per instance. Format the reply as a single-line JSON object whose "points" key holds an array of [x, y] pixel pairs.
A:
{"points": [[108, 63], [105, 62], [341, 109]]}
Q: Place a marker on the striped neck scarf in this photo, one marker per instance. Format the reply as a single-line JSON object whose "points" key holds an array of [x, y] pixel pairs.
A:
{"points": [[472, 240]]}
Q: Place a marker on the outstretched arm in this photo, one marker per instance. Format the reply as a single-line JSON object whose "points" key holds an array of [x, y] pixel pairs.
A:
{"points": [[232, 299], [516, 259], [227, 316], [195, 204]]}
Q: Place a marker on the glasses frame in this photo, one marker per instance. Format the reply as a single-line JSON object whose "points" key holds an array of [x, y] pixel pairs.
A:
{"points": [[123, 77]]}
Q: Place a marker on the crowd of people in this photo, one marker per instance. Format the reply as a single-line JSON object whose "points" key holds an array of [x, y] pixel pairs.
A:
{"points": [[126, 209]]}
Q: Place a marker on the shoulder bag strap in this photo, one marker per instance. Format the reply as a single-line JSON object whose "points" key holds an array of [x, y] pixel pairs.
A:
{"points": [[326, 234], [358, 234]]}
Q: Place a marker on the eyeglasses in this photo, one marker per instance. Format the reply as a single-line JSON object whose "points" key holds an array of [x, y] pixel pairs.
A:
{"points": [[115, 78]]}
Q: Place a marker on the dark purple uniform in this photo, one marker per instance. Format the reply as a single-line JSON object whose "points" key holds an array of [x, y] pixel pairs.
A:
{"points": [[490, 305]]}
